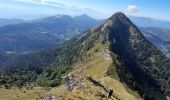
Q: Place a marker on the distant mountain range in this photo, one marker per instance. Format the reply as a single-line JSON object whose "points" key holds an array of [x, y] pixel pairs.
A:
{"points": [[115, 50], [18, 35], [5, 21], [150, 22], [156, 31], [160, 37], [44, 33]]}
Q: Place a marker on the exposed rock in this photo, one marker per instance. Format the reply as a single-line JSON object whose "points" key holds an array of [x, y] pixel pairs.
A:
{"points": [[51, 97], [70, 82], [168, 98]]}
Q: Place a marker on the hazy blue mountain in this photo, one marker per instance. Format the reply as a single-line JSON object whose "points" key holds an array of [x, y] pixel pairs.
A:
{"points": [[156, 31], [42, 33], [160, 37], [150, 22], [5, 21]]}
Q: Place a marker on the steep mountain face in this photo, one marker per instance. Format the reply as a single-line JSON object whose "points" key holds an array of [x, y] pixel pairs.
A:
{"points": [[159, 37], [142, 59], [5, 21], [150, 22], [43, 33], [112, 53]]}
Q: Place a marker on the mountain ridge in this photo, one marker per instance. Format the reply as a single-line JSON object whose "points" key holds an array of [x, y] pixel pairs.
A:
{"points": [[44, 33], [128, 55]]}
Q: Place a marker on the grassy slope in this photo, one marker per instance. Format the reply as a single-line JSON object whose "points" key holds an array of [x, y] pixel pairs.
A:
{"points": [[96, 64]]}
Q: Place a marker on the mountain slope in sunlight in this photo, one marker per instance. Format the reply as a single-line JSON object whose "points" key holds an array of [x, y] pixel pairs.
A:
{"points": [[114, 55]]}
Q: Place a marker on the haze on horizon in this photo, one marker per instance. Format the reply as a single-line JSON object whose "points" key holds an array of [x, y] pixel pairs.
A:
{"points": [[33, 9]]}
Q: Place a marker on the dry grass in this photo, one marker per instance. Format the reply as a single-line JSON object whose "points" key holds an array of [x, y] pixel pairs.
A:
{"points": [[95, 66]]}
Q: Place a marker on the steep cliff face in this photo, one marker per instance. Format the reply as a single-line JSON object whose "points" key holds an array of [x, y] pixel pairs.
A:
{"points": [[147, 64]]}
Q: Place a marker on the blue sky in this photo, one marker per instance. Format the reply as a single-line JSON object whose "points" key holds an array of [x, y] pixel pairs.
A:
{"points": [[31, 9]]}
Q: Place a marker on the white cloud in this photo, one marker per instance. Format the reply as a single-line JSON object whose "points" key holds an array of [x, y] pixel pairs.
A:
{"points": [[43, 8], [133, 9]]}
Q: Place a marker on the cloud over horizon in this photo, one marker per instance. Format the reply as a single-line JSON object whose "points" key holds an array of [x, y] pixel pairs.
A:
{"points": [[133, 9], [33, 9]]}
